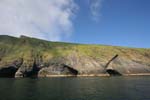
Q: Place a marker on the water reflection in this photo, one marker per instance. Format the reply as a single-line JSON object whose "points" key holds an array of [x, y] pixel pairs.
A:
{"points": [[90, 88]]}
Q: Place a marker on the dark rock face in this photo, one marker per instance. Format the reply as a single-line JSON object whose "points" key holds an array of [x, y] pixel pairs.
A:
{"points": [[33, 72], [113, 72], [116, 66], [28, 71], [71, 70], [38, 68], [59, 69], [10, 70]]}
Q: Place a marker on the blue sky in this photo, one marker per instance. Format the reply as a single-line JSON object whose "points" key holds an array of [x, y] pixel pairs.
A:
{"points": [[108, 22], [122, 22]]}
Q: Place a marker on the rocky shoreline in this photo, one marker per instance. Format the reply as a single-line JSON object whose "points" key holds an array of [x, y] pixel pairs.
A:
{"points": [[99, 75]]}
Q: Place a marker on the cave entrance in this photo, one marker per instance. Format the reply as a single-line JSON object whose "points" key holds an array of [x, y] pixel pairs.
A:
{"points": [[112, 72], [33, 73], [71, 70], [8, 72]]}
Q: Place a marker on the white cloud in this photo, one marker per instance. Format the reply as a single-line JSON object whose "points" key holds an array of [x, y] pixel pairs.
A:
{"points": [[95, 7], [46, 19]]}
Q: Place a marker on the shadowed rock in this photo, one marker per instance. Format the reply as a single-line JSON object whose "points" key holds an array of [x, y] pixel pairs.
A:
{"points": [[110, 70], [71, 70], [107, 65], [33, 72], [113, 72], [8, 72], [58, 69], [28, 71]]}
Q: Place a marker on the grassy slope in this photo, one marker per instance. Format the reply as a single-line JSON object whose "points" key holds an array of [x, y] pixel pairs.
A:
{"points": [[12, 48]]}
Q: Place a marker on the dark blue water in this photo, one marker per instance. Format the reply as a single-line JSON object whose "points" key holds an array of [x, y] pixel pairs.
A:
{"points": [[90, 88]]}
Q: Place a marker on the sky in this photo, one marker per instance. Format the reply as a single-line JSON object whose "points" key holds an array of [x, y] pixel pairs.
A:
{"points": [[107, 22]]}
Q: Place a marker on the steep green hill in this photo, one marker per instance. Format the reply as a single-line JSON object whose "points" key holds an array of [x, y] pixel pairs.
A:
{"points": [[28, 57]]}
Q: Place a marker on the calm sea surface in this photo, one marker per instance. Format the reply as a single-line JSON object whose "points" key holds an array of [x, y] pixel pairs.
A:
{"points": [[83, 88]]}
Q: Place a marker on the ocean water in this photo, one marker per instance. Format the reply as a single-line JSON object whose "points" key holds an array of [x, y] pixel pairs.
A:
{"points": [[76, 88]]}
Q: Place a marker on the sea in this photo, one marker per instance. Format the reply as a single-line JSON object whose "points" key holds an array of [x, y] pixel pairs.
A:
{"points": [[76, 88]]}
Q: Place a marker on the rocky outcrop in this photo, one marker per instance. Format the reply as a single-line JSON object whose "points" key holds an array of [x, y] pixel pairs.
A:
{"points": [[74, 66], [110, 70], [128, 67], [9, 70], [29, 57], [117, 66], [60, 69], [25, 71]]}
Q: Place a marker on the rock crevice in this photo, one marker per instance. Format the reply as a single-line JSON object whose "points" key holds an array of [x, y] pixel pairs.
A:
{"points": [[110, 70]]}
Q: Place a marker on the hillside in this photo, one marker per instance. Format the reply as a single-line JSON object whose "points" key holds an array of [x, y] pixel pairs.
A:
{"points": [[31, 57]]}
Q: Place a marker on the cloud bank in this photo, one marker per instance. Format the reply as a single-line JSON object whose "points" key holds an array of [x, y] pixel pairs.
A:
{"points": [[45, 19]]}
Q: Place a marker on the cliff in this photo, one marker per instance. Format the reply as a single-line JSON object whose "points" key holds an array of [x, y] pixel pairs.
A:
{"points": [[30, 57]]}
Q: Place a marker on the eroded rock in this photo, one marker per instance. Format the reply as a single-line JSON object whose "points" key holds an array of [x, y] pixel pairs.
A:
{"points": [[58, 69], [11, 69]]}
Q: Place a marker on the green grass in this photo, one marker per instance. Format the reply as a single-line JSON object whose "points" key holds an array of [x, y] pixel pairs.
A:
{"points": [[12, 48]]}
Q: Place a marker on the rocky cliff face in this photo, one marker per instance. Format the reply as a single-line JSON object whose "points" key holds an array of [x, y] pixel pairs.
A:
{"points": [[30, 57]]}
